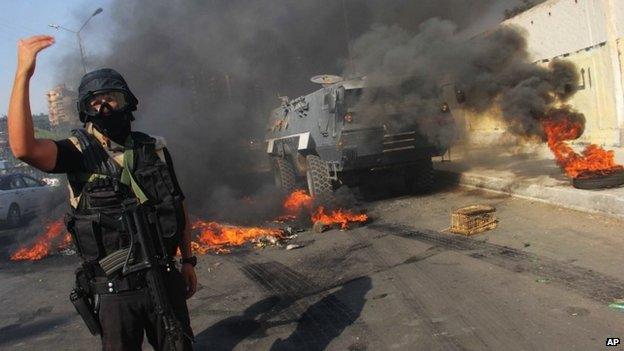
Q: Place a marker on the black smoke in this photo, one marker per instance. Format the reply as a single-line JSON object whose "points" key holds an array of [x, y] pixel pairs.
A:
{"points": [[493, 69], [207, 74]]}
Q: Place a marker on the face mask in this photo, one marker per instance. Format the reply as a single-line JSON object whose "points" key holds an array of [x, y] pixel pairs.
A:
{"points": [[113, 124]]}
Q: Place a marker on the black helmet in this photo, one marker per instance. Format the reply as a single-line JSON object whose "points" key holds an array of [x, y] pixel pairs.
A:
{"points": [[103, 80]]}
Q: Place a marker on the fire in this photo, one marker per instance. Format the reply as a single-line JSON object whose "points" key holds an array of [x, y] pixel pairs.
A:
{"points": [[43, 244], [593, 160], [66, 243], [294, 204], [337, 217], [218, 237]]}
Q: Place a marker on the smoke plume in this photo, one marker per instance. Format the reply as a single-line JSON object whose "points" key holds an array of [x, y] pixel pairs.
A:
{"points": [[207, 73], [492, 69]]}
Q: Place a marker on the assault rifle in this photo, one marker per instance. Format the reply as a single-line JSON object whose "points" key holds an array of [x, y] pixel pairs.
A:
{"points": [[149, 255]]}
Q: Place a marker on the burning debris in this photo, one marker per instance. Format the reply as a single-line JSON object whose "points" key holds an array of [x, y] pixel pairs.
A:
{"points": [[323, 219], [592, 164], [55, 238], [219, 238], [213, 236], [299, 205], [297, 202]]}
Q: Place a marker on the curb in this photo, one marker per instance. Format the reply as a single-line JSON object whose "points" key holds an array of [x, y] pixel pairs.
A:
{"points": [[592, 201]]}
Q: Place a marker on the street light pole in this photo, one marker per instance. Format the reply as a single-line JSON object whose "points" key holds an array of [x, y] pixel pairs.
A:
{"points": [[77, 32], [82, 53]]}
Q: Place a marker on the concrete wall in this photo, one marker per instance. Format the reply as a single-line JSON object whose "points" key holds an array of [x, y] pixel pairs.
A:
{"points": [[588, 33]]}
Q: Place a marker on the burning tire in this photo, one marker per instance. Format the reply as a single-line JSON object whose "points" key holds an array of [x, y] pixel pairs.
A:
{"points": [[609, 180], [419, 177], [284, 174], [317, 175]]}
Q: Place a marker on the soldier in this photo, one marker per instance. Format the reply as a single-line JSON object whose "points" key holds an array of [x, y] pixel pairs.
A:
{"points": [[106, 164]]}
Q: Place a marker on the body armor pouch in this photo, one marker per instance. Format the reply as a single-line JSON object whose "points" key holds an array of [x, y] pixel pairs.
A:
{"points": [[87, 230]]}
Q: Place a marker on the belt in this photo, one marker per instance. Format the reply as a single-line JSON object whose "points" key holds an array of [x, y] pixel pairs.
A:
{"points": [[101, 285]]}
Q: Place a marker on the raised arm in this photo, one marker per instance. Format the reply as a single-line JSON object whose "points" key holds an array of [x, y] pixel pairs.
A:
{"points": [[39, 153]]}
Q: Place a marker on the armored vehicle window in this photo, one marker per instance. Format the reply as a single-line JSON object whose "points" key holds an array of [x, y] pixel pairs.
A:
{"points": [[352, 97]]}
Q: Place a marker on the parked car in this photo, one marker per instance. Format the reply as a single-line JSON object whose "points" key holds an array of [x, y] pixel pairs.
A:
{"points": [[19, 198], [5, 166]]}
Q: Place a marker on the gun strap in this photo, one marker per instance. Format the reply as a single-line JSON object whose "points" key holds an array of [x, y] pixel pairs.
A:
{"points": [[96, 159], [128, 167]]}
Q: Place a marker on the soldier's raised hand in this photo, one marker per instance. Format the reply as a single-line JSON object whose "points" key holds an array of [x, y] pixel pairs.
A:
{"points": [[27, 50]]}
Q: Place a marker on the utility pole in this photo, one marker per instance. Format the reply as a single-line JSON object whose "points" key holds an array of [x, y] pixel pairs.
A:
{"points": [[77, 32]]}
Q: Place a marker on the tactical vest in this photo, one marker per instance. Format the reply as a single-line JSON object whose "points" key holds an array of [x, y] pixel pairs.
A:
{"points": [[95, 224]]}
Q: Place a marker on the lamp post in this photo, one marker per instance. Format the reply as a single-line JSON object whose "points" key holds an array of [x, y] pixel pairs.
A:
{"points": [[77, 32]]}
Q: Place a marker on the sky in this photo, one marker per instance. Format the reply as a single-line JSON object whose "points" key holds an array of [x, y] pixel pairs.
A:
{"points": [[23, 18]]}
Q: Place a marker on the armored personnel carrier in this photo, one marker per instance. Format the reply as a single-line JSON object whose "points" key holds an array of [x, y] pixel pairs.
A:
{"points": [[320, 140]]}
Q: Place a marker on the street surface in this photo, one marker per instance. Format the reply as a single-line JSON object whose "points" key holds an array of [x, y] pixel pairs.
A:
{"points": [[542, 280]]}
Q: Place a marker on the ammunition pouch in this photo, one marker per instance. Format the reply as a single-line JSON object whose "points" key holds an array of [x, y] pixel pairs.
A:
{"points": [[95, 235], [157, 183]]}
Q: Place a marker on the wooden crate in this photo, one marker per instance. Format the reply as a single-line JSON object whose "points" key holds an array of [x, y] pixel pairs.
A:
{"points": [[473, 219]]}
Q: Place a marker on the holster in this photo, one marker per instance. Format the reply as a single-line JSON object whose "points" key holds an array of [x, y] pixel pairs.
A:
{"points": [[84, 301], [86, 310]]}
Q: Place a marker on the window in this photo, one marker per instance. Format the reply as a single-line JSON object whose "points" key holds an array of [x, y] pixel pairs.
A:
{"points": [[31, 182], [5, 183], [352, 97], [17, 183]]}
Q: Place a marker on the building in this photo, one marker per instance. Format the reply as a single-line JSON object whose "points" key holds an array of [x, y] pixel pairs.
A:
{"points": [[590, 34], [62, 106]]}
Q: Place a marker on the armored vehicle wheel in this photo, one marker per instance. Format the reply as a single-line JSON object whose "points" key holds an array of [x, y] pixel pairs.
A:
{"points": [[419, 177], [284, 174], [317, 175]]}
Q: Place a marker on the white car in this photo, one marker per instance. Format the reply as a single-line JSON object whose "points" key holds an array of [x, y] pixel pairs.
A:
{"points": [[20, 197]]}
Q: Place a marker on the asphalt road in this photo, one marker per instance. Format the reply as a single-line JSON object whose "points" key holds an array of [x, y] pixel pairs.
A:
{"points": [[542, 280]]}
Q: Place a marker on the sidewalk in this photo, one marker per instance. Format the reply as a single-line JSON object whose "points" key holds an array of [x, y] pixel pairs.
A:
{"points": [[530, 175]]}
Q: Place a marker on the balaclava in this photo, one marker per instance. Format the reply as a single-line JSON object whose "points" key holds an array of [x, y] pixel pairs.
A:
{"points": [[113, 123]]}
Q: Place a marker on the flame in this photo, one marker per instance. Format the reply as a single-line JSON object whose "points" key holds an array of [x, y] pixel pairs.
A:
{"points": [[43, 244], [66, 243], [295, 204], [339, 216], [299, 200], [218, 237], [593, 160]]}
